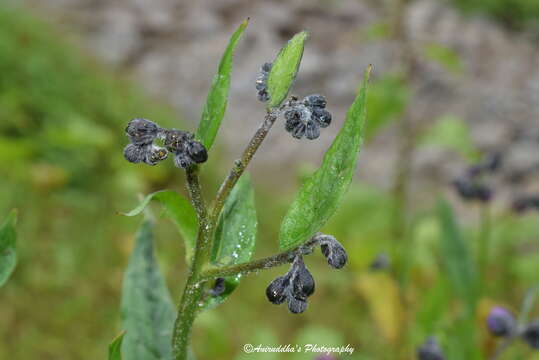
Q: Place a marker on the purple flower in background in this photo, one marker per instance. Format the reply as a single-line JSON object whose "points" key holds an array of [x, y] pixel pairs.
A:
{"points": [[500, 321]]}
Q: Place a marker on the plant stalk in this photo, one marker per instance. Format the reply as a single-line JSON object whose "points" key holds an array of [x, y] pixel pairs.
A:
{"points": [[193, 288]]}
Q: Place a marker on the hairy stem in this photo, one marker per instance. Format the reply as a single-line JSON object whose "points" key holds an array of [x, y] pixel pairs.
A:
{"points": [[193, 287], [207, 223], [240, 165], [259, 264]]}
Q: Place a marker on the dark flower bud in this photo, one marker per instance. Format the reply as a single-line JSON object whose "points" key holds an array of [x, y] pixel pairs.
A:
{"points": [[381, 262], [276, 292], [531, 334], [312, 130], [430, 350], [266, 67], [176, 140], [333, 251], [263, 95], [261, 82], [197, 151], [483, 193], [464, 188], [135, 153], [296, 305], [500, 321], [218, 288], [315, 100], [155, 154], [182, 160], [322, 116], [141, 131], [302, 280], [493, 162]]}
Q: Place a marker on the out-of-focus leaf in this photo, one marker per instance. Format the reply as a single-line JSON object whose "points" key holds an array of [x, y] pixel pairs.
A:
{"points": [[446, 57], [386, 101], [315, 335], [147, 309], [457, 258], [285, 68], [320, 195], [115, 347], [385, 309], [235, 236], [216, 102], [452, 133], [8, 255], [179, 210], [433, 307]]}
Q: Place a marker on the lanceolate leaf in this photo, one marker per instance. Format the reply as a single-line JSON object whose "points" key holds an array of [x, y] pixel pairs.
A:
{"points": [[235, 237], [284, 69], [215, 107], [115, 347], [457, 258], [147, 308], [320, 195], [179, 210], [8, 255]]}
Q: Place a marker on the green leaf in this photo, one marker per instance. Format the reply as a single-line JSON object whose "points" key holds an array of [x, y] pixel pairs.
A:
{"points": [[115, 347], [147, 309], [320, 195], [284, 69], [8, 255], [235, 236], [453, 133], [179, 210], [216, 102], [445, 56], [457, 258]]}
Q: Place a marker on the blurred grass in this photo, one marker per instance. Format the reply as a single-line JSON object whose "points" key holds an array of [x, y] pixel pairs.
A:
{"points": [[61, 137], [516, 14]]}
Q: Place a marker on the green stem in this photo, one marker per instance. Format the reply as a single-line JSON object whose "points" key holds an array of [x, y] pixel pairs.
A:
{"points": [[240, 165], [193, 287], [259, 264], [207, 223]]}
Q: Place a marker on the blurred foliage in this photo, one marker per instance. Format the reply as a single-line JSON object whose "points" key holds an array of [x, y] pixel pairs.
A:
{"points": [[61, 137], [517, 14]]}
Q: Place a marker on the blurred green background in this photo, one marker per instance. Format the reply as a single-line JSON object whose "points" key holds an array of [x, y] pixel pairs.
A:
{"points": [[62, 116]]}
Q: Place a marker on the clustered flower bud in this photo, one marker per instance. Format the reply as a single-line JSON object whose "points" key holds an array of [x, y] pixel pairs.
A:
{"points": [[294, 287], [305, 118], [187, 151], [525, 203], [142, 134], [470, 190], [333, 251], [261, 82], [218, 288], [471, 186], [430, 350], [381, 262], [500, 322]]}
